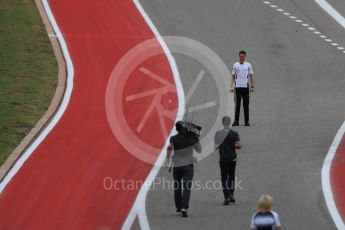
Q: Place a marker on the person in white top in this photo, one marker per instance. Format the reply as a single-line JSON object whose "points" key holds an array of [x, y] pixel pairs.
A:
{"points": [[243, 78], [265, 218]]}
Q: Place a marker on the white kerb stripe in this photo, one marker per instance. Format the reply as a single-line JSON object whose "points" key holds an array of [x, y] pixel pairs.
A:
{"points": [[326, 185], [61, 109], [139, 204], [325, 177]]}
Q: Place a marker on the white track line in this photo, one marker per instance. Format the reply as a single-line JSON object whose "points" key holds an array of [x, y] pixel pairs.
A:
{"points": [[325, 176], [61, 109], [138, 207], [332, 12], [326, 185], [306, 25]]}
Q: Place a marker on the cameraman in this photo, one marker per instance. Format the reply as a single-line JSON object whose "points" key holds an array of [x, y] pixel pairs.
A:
{"points": [[183, 169]]}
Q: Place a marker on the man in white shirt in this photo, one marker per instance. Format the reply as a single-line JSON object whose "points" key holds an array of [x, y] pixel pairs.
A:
{"points": [[243, 77]]}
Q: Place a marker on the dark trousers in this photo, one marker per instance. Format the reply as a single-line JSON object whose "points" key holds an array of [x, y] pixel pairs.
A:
{"points": [[242, 93], [227, 172], [183, 177]]}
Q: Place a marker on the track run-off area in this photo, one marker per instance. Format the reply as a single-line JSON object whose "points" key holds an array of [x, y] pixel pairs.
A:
{"points": [[65, 180]]}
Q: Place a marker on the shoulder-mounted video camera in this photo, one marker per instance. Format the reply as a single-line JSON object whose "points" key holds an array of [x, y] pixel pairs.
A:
{"points": [[188, 129]]}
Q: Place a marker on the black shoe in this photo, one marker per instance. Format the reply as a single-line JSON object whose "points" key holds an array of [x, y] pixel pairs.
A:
{"points": [[235, 123], [226, 201], [232, 199], [184, 212], [178, 210], [247, 124]]}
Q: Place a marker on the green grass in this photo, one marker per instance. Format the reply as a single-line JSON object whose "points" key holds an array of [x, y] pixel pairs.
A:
{"points": [[28, 72]]}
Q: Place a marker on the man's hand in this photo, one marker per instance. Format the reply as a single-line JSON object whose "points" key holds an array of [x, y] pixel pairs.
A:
{"points": [[238, 145], [198, 147], [252, 82], [167, 162], [231, 89]]}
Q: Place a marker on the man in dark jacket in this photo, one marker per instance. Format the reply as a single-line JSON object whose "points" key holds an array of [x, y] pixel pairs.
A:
{"points": [[227, 141]]}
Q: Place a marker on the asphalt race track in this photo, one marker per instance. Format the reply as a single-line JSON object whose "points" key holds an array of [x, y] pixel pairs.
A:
{"points": [[296, 110], [298, 55]]}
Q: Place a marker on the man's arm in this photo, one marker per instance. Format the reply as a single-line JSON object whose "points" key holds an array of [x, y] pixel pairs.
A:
{"points": [[252, 225], [252, 81], [198, 147], [238, 144], [232, 81], [216, 141], [169, 152], [277, 222]]}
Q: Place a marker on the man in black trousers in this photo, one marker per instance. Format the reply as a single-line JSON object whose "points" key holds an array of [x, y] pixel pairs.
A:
{"points": [[241, 72], [183, 168], [227, 141]]}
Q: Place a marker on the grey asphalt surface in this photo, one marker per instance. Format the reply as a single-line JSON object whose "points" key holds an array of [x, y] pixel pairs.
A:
{"points": [[296, 110]]}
